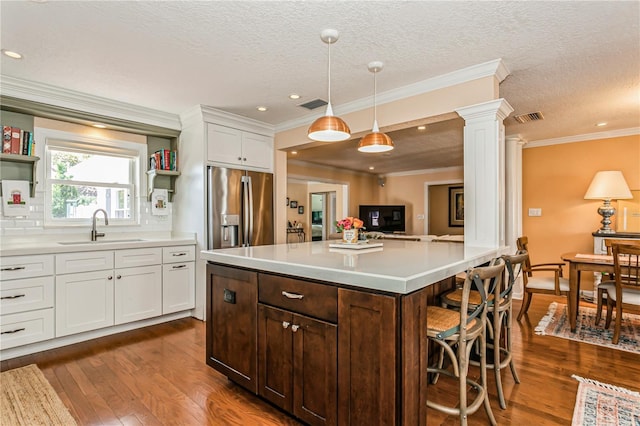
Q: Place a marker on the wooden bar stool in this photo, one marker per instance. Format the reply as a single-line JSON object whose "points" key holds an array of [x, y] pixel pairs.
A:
{"points": [[501, 318], [457, 331]]}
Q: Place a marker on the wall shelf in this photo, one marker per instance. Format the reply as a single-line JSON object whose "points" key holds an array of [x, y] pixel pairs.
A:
{"points": [[164, 179], [19, 167]]}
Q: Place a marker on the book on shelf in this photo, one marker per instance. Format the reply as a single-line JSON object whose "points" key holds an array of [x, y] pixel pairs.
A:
{"points": [[164, 159], [17, 141]]}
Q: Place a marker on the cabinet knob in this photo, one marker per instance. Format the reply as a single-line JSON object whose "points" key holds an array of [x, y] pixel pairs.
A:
{"points": [[244, 159], [118, 276], [239, 158], [295, 328], [109, 277], [285, 324]]}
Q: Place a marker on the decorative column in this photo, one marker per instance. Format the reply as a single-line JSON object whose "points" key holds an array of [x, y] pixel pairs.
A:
{"points": [[484, 173], [513, 199]]}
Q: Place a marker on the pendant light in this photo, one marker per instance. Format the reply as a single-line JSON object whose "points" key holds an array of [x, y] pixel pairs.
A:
{"points": [[375, 141], [329, 128]]}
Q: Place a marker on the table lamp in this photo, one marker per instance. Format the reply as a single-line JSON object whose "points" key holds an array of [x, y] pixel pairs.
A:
{"points": [[607, 185]]}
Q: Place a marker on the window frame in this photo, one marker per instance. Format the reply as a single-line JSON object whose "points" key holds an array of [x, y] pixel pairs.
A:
{"points": [[73, 142]]}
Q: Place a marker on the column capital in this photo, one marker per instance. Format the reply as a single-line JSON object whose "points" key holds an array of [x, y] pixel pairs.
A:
{"points": [[498, 109]]}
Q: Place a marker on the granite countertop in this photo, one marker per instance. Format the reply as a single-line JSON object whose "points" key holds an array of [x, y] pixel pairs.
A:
{"points": [[52, 244], [396, 266]]}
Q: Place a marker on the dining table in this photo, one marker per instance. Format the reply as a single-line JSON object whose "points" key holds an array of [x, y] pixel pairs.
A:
{"points": [[579, 262]]}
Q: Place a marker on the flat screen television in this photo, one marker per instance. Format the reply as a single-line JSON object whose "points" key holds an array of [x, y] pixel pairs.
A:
{"points": [[381, 218]]}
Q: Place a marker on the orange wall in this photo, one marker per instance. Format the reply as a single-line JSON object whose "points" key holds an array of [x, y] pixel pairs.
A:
{"points": [[555, 179]]}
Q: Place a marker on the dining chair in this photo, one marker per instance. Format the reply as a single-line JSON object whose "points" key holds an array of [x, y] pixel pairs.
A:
{"points": [[500, 309], [601, 290], [624, 291], [537, 278], [455, 332]]}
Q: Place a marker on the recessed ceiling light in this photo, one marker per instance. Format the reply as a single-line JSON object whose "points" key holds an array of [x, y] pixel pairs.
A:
{"points": [[100, 126], [604, 123], [11, 54], [294, 152], [371, 168], [262, 108], [422, 127], [294, 96]]}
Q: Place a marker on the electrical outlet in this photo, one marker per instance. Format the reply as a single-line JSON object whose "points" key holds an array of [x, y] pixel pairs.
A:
{"points": [[535, 212], [420, 217]]}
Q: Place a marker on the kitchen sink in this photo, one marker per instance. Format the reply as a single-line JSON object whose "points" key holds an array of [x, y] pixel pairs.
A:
{"points": [[69, 243]]}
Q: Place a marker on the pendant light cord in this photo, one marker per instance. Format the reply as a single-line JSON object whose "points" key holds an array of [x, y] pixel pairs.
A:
{"points": [[329, 72], [375, 91]]}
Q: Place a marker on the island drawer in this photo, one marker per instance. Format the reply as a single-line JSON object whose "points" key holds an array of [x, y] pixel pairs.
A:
{"points": [[315, 300]]}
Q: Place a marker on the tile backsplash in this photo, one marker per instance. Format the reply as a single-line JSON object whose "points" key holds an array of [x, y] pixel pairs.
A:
{"points": [[33, 224]]}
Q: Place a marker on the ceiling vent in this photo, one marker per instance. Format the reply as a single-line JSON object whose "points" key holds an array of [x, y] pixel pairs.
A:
{"points": [[532, 116], [316, 103]]}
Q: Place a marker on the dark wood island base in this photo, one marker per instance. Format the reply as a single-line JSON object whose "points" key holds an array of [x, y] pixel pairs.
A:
{"points": [[323, 352]]}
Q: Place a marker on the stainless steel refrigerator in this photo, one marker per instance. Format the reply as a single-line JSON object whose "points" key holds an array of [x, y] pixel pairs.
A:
{"points": [[239, 208]]}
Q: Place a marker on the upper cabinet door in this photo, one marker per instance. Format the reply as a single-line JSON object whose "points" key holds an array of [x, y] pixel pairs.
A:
{"points": [[257, 151], [224, 144]]}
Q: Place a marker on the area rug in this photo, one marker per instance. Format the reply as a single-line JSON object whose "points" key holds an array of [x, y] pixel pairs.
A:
{"points": [[27, 398], [605, 405], [556, 323]]}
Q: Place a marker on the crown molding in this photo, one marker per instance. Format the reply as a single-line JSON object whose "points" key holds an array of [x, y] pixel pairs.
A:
{"points": [[495, 68], [70, 99], [427, 171], [583, 138]]}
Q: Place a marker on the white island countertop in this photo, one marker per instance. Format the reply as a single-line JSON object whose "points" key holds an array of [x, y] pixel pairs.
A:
{"points": [[397, 267]]}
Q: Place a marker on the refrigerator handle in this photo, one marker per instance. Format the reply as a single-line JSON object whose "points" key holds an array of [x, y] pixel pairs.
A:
{"points": [[250, 197], [246, 211], [210, 223]]}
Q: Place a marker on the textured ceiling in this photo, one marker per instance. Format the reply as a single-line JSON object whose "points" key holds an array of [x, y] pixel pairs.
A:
{"points": [[577, 62]]}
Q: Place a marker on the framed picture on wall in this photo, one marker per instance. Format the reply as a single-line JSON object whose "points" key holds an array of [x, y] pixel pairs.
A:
{"points": [[300, 209], [456, 206], [293, 204]]}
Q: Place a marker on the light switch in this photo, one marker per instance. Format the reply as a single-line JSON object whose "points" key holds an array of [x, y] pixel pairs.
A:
{"points": [[535, 212]]}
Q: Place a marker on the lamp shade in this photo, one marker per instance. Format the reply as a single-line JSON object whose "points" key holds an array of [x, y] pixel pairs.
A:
{"points": [[375, 142], [608, 185], [329, 128]]}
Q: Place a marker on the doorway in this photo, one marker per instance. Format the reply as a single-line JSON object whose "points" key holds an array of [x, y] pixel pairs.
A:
{"points": [[323, 214]]}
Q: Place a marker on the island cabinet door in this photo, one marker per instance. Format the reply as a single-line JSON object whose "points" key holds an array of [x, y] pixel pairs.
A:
{"points": [[315, 371], [232, 297], [367, 359], [275, 356]]}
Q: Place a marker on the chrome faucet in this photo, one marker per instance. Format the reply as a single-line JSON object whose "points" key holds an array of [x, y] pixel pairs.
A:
{"points": [[95, 234]]}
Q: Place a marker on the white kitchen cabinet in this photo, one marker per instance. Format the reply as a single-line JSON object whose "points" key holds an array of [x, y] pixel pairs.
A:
{"points": [[138, 293], [84, 301], [239, 148], [26, 300], [178, 279]]}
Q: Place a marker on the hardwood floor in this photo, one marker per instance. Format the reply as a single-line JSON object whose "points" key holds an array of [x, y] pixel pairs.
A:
{"points": [[157, 376]]}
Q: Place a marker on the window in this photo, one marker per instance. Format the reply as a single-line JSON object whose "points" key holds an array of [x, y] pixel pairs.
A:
{"points": [[85, 175]]}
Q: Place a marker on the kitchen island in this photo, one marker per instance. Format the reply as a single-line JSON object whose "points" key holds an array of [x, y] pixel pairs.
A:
{"points": [[332, 335]]}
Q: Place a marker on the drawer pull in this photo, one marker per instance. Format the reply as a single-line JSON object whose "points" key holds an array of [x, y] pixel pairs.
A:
{"points": [[13, 331], [14, 268], [285, 324], [179, 267], [179, 254], [13, 297], [295, 328], [292, 295]]}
